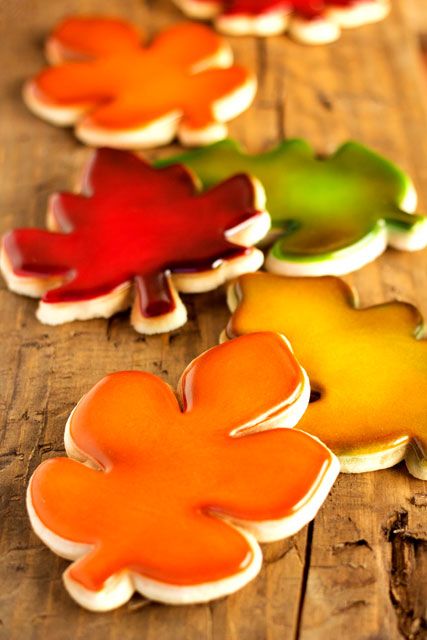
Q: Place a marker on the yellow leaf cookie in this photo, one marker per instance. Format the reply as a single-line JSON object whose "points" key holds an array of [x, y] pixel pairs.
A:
{"points": [[367, 367]]}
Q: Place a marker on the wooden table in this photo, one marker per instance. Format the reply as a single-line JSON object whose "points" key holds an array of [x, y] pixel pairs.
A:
{"points": [[359, 571]]}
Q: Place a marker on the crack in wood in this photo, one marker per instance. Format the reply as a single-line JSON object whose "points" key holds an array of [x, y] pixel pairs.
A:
{"points": [[35, 344], [11, 403], [281, 113], [9, 457], [35, 450], [51, 448], [261, 47], [356, 604], [280, 107], [419, 500], [351, 544], [405, 547], [210, 620], [304, 579]]}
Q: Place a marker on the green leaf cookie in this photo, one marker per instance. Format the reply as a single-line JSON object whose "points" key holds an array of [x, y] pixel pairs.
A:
{"points": [[333, 215]]}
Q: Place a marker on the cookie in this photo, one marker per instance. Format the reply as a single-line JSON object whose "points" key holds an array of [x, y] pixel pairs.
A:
{"points": [[333, 215], [119, 93], [169, 497], [133, 223], [308, 21], [367, 367]]}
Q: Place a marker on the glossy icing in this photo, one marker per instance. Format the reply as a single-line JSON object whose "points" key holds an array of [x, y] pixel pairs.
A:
{"points": [[328, 210], [367, 365], [132, 221], [165, 479], [105, 72]]}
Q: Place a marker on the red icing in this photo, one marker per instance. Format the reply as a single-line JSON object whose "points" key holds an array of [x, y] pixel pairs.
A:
{"points": [[307, 8], [131, 221]]}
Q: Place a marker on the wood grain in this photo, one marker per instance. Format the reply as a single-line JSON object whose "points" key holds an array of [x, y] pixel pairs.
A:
{"points": [[359, 571], [417, 15]]}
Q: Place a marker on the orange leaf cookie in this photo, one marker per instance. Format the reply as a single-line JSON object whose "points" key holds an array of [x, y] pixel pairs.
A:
{"points": [[120, 94], [169, 496], [367, 367]]}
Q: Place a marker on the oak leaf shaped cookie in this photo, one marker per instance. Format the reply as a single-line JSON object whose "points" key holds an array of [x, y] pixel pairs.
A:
{"points": [[133, 223], [169, 497], [309, 21], [334, 214], [119, 93], [367, 367]]}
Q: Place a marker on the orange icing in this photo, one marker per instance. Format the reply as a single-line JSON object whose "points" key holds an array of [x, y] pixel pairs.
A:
{"points": [[368, 366], [124, 85], [166, 477]]}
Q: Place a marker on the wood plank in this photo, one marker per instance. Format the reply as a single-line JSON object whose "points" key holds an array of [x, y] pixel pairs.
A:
{"points": [[361, 582], [417, 15], [360, 571]]}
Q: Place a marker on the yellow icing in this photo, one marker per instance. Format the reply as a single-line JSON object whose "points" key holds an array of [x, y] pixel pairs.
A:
{"points": [[367, 364]]}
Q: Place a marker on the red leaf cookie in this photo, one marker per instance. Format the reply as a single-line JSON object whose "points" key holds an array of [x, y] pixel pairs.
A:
{"points": [[132, 222], [169, 497], [309, 21], [119, 93], [367, 367]]}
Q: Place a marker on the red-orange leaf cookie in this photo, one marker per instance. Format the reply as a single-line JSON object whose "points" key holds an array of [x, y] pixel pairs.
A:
{"points": [[172, 496], [133, 223], [367, 367], [119, 93]]}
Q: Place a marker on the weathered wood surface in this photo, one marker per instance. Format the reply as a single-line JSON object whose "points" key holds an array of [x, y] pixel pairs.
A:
{"points": [[359, 572], [416, 11]]}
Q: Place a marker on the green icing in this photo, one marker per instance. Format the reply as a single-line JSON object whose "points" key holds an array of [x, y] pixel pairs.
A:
{"points": [[323, 206]]}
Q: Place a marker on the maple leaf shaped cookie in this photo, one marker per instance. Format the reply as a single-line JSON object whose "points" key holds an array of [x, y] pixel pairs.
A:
{"points": [[118, 93], [308, 21], [334, 215], [133, 223], [171, 498], [367, 368]]}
